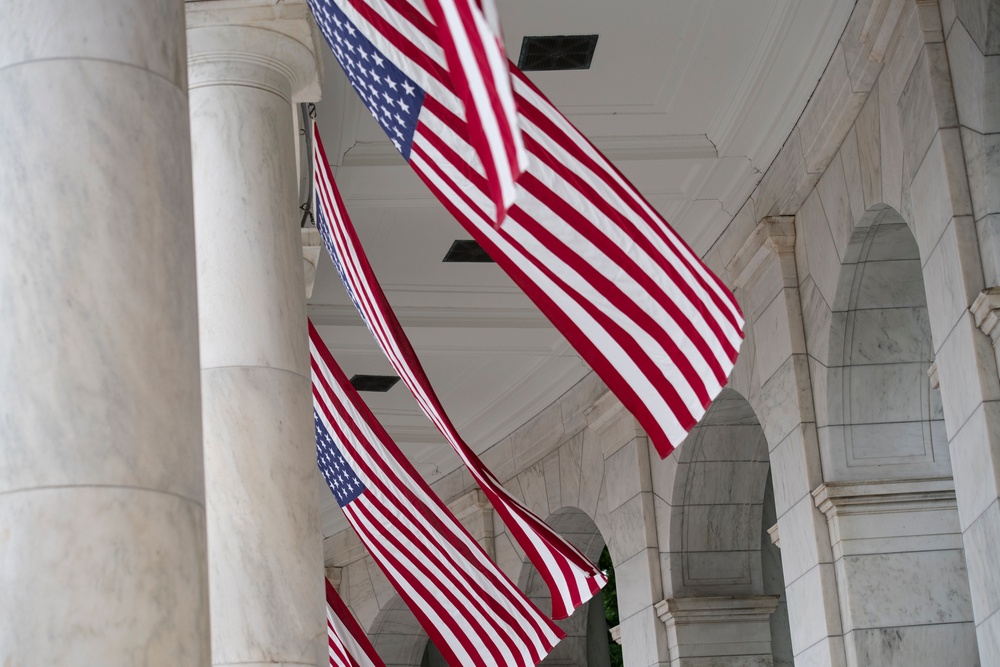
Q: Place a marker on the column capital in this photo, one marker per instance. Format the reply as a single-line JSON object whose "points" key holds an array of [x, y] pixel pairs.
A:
{"points": [[772, 239], [730, 630], [274, 47], [841, 498], [986, 310], [722, 609]]}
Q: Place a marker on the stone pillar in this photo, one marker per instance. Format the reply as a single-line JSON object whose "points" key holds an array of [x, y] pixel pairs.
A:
{"points": [[897, 551], [102, 516], [766, 280], [248, 64], [719, 631], [634, 543]]}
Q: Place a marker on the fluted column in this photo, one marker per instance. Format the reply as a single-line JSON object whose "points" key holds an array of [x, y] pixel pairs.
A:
{"points": [[102, 518], [247, 66]]}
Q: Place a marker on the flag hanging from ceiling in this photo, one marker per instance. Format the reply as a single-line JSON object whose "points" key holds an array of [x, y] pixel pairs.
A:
{"points": [[349, 645], [659, 328], [468, 607], [571, 577], [477, 62]]}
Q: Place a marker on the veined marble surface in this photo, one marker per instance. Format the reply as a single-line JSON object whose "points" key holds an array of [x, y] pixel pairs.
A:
{"points": [[264, 542], [102, 519]]}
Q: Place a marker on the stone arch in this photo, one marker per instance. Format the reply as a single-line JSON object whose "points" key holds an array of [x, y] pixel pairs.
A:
{"points": [[586, 641], [876, 407], [716, 503], [397, 636], [722, 573]]}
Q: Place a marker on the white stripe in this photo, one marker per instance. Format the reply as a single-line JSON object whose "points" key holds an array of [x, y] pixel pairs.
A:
{"points": [[613, 231], [418, 74], [387, 343], [392, 484], [606, 343], [550, 112], [583, 248], [376, 547], [348, 642], [468, 610]]}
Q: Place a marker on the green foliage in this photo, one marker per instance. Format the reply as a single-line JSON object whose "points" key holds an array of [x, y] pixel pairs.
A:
{"points": [[610, 592]]}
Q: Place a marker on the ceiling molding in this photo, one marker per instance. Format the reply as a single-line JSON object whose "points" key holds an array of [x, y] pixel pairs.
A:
{"points": [[424, 316], [777, 20], [662, 147]]}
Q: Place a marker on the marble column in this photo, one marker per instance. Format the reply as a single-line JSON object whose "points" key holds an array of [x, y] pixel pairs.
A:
{"points": [[248, 65], [633, 544], [102, 515]]}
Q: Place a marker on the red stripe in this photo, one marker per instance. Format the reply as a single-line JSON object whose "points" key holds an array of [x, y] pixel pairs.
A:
{"points": [[629, 196], [458, 538], [433, 556], [387, 563], [576, 336], [429, 568], [401, 42], [510, 510], [611, 289], [340, 610], [587, 191]]}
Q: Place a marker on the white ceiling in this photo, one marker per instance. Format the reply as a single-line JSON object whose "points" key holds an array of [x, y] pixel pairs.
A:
{"points": [[691, 99]]}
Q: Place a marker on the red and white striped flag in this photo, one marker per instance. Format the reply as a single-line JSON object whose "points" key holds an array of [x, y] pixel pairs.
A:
{"points": [[468, 607], [571, 577], [628, 293], [469, 35], [349, 645]]}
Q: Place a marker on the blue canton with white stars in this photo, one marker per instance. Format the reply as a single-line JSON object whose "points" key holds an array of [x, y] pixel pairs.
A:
{"points": [[391, 97], [324, 231], [339, 475]]}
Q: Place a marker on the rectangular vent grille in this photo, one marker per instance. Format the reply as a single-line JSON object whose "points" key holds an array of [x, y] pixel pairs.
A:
{"points": [[556, 52], [466, 251], [379, 383]]}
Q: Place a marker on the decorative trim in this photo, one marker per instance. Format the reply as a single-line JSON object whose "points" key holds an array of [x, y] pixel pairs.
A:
{"points": [[614, 425], [616, 634], [773, 236], [729, 609], [836, 499], [986, 310], [775, 537], [932, 375], [335, 575]]}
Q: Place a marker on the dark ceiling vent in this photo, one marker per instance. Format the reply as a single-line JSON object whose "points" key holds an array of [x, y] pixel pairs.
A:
{"points": [[466, 251], [556, 52], [379, 383]]}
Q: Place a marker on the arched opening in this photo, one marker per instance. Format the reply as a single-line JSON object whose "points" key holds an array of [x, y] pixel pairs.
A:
{"points": [[886, 490], [397, 636], [587, 642], [881, 415], [725, 575]]}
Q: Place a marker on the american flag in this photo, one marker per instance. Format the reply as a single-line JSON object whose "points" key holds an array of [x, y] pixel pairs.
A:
{"points": [[473, 48], [572, 578], [349, 645], [632, 298], [468, 607]]}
